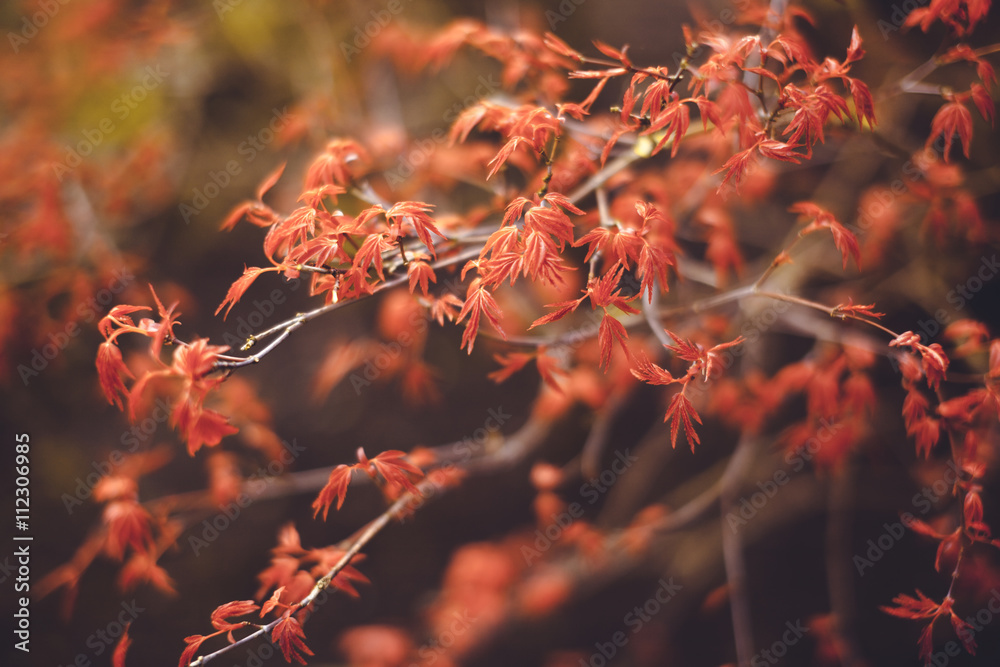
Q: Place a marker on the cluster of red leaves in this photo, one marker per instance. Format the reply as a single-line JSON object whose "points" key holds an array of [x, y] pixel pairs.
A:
{"points": [[701, 362], [286, 633], [191, 368], [722, 93], [130, 532], [390, 469], [292, 574], [959, 15], [345, 255]]}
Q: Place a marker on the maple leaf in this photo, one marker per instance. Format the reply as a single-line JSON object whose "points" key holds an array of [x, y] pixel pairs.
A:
{"points": [[561, 47], [509, 364], [681, 410], [415, 213], [913, 607], [270, 180], [335, 487], [650, 373], [237, 608], [478, 302], [850, 309], [237, 289], [142, 568], [864, 105], [193, 642], [419, 273], [394, 468], [110, 371], [843, 238], [290, 638], [684, 349], [447, 307], [370, 253], [952, 118], [504, 155], [610, 331], [201, 427], [273, 602], [128, 525], [563, 308], [332, 167], [981, 98]]}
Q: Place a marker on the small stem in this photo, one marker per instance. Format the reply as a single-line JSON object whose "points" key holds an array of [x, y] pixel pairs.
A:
{"points": [[549, 158]]}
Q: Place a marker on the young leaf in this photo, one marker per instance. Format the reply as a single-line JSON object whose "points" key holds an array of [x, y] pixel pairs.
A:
{"points": [[681, 410], [335, 487], [290, 638]]}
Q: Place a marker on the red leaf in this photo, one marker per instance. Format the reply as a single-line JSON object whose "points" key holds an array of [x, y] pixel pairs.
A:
{"points": [[335, 487], [509, 364], [843, 238], [952, 118], [193, 644], [563, 308], [850, 309], [479, 302], [561, 47], [270, 180], [273, 601], [420, 273], [614, 53], [910, 607], [610, 331], [416, 214], [128, 525], [685, 349], [650, 373], [236, 608], [203, 427], [237, 289], [680, 409], [983, 101], [864, 105], [854, 51], [504, 155], [110, 371], [395, 469], [289, 637]]}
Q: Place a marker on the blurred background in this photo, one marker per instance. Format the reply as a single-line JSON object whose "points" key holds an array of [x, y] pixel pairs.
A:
{"points": [[129, 130]]}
